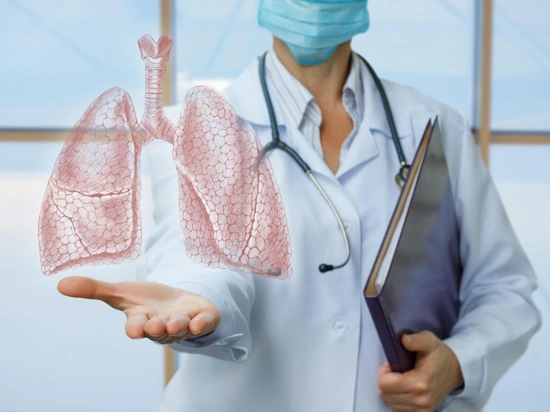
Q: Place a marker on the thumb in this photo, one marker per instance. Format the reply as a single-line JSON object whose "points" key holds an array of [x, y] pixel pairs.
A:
{"points": [[87, 288], [423, 342]]}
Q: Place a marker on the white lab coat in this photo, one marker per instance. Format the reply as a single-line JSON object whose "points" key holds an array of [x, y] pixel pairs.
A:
{"points": [[308, 343]]}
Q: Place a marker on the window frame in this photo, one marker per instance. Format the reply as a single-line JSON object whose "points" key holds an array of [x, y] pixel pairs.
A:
{"points": [[482, 108], [482, 101], [483, 78]]}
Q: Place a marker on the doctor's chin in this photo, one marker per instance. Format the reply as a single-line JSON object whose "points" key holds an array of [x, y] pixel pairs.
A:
{"points": [[275, 206]]}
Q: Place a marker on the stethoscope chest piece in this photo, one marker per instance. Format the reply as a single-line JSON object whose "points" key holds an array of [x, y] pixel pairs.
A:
{"points": [[402, 175]]}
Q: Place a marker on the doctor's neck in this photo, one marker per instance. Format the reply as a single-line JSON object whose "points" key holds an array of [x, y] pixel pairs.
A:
{"points": [[324, 81]]}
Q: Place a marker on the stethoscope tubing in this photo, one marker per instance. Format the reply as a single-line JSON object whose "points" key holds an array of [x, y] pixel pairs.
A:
{"points": [[276, 143], [388, 111]]}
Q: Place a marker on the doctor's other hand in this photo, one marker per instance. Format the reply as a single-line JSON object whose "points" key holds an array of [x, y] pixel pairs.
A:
{"points": [[159, 312], [436, 374]]}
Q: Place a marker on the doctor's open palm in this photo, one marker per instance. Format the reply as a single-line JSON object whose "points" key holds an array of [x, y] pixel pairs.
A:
{"points": [[161, 313]]}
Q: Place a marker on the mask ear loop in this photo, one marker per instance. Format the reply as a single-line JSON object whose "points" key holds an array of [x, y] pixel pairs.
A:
{"points": [[276, 143]]}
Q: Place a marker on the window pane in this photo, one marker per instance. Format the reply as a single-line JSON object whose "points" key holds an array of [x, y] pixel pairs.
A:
{"points": [[61, 55], [520, 162], [216, 40], [521, 176], [521, 68], [427, 44]]}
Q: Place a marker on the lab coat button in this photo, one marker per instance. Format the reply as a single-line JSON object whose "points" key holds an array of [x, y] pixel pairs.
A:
{"points": [[339, 325], [347, 225]]}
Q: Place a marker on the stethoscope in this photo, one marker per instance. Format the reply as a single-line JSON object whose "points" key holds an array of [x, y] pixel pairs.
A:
{"points": [[276, 143]]}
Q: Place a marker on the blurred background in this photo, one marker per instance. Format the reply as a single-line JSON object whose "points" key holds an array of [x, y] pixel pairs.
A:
{"points": [[489, 59]]}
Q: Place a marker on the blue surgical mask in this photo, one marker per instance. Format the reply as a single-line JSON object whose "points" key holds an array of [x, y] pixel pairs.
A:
{"points": [[313, 29]]}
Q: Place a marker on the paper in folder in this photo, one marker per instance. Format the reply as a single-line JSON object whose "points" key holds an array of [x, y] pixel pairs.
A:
{"points": [[415, 280]]}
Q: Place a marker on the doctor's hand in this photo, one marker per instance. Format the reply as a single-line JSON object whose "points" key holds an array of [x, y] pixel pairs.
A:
{"points": [[159, 312], [436, 374]]}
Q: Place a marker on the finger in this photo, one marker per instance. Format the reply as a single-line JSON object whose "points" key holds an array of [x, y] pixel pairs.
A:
{"points": [[203, 323], [403, 399], [423, 342], [155, 328], [398, 383], [416, 406], [158, 339], [404, 385], [384, 370], [388, 381], [164, 339], [170, 339], [178, 325], [86, 288], [135, 325], [401, 408]]}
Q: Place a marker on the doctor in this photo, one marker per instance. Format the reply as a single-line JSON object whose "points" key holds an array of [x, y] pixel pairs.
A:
{"points": [[308, 343]]}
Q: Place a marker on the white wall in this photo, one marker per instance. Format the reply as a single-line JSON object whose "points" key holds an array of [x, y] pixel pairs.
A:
{"points": [[525, 387], [59, 354]]}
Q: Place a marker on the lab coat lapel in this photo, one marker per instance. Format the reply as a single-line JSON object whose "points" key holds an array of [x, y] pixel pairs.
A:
{"points": [[298, 142], [409, 123], [362, 149], [374, 113], [364, 145], [246, 96]]}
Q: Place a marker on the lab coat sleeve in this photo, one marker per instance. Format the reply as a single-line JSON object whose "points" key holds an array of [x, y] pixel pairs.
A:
{"points": [[497, 314], [165, 261]]}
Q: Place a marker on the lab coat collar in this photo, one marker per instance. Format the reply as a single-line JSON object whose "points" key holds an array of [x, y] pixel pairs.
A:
{"points": [[245, 94]]}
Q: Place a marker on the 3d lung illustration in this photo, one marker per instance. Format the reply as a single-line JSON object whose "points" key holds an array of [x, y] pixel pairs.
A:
{"points": [[231, 210]]}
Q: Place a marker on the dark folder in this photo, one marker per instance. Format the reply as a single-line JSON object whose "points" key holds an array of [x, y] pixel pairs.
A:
{"points": [[415, 280]]}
